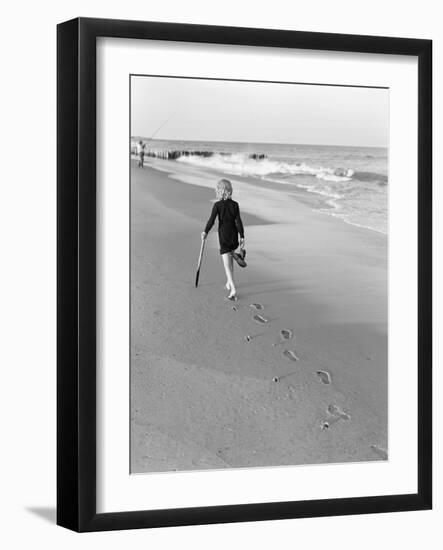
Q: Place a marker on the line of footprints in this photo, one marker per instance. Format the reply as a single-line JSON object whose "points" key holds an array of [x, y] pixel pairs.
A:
{"points": [[335, 414]]}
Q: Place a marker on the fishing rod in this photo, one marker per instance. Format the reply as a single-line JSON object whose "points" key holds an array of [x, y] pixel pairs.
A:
{"points": [[159, 128], [162, 125]]}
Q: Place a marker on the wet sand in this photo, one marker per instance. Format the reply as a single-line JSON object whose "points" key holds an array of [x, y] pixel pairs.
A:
{"points": [[212, 387]]}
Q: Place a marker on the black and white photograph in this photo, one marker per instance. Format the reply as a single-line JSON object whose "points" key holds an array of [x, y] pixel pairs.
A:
{"points": [[221, 275], [258, 274]]}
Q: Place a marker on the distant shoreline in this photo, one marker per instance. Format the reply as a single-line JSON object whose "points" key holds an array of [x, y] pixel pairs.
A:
{"points": [[317, 201], [159, 140]]}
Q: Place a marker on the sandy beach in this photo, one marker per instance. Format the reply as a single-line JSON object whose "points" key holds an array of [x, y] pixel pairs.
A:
{"points": [[212, 387]]}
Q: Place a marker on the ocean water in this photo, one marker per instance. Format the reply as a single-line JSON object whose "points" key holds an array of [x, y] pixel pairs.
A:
{"points": [[351, 183]]}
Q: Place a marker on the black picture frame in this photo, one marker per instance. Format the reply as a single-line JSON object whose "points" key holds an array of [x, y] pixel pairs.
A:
{"points": [[76, 274]]}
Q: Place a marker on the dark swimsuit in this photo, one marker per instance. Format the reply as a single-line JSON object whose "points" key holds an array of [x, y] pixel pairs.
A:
{"points": [[229, 224]]}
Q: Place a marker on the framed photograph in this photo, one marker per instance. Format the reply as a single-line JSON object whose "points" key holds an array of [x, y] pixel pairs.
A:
{"points": [[244, 274]]}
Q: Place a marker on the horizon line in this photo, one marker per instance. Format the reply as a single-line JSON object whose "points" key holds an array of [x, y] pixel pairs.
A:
{"points": [[260, 142]]}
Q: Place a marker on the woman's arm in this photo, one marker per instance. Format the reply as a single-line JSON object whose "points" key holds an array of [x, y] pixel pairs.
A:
{"points": [[239, 223], [211, 219]]}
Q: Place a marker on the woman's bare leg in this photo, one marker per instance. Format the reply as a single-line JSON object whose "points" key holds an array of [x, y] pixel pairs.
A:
{"points": [[231, 265], [228, 284], [227, 260]]}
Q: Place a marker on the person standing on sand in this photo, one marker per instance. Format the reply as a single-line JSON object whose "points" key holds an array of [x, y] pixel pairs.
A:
{"points": [[230, 226], [141, 153]]}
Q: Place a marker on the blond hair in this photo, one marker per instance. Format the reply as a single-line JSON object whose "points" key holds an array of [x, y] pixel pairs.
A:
{"points": [[223, 189]]}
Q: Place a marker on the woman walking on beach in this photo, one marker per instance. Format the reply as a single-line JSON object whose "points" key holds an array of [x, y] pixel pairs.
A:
{"points": [[230, 226]]}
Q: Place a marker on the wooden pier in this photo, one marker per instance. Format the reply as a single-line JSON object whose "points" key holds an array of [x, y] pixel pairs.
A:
{"points": [[173, 154]]}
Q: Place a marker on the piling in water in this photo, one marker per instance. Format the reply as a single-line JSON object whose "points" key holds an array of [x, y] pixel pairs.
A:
{"points": [[174, 154]]}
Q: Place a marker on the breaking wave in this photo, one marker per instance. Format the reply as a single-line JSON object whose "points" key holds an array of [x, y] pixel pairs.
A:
{"points": [[242, 164]]}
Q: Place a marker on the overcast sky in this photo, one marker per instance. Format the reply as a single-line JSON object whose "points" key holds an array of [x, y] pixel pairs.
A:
{"points": [[215, 110]]}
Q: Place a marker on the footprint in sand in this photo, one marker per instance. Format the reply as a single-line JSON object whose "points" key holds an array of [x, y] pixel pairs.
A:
{"points": [[260, 319], [336, 411], [256, 306], [285, 334], [380, 452], [337, 414], [324, 376], [290, 355]]}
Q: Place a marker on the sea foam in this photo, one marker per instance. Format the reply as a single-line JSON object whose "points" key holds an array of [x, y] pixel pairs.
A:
{"points": [[242, 164]]}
